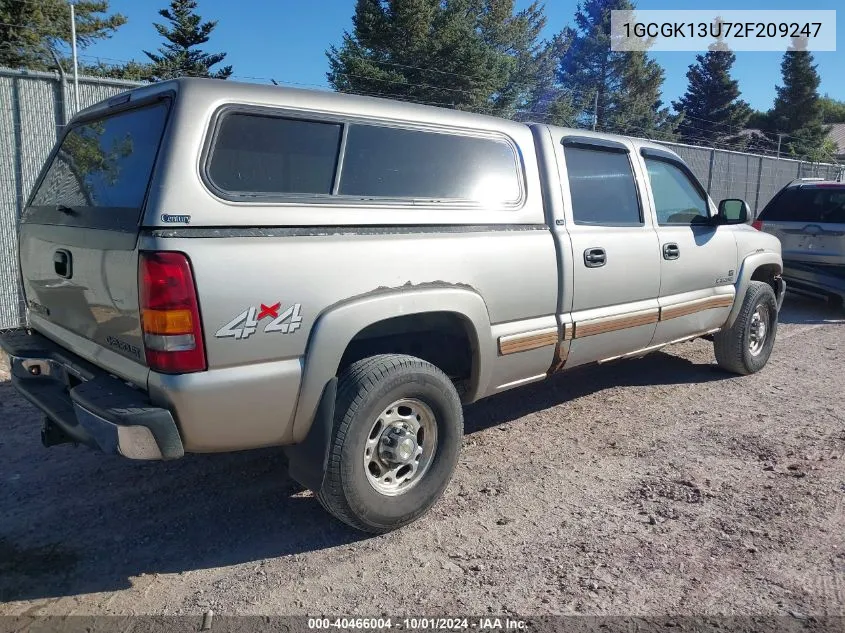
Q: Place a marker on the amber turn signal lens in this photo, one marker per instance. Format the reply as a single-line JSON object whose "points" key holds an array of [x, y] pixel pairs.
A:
{"points": [[168, 322]]}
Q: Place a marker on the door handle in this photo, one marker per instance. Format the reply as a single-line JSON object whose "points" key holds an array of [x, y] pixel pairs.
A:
{"points": [[671, 251], [62, 263], [595, 257]]}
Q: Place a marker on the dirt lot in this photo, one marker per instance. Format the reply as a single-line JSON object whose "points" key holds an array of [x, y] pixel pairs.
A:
{"points": [[654, 486]]}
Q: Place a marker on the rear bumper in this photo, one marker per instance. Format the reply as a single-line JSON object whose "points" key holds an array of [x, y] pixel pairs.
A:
{"points": [[89, 405], [819, 280]]}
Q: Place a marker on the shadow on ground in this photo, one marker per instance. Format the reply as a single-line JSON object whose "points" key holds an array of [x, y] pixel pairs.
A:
{"points": [[658, 368], [74, 521], [801, 310]]}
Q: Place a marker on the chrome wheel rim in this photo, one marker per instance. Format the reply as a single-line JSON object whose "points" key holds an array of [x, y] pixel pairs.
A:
{"points": [[400, 446], [758, 330]]}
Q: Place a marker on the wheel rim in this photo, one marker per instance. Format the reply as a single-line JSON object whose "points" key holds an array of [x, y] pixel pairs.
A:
{"points": [[400, 446], [758, 330]]}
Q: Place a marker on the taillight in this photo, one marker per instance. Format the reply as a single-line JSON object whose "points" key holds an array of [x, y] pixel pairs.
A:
{"points": [[757, 224], [170, 316]]}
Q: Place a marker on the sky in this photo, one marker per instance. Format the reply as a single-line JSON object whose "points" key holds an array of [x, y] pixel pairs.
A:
{"points": [[286, 40]]}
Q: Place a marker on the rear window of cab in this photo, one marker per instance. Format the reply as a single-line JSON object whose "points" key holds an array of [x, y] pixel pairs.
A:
{"points": [[266, 156]]}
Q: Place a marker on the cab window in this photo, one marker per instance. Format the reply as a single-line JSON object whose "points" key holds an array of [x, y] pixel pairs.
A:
{"points": [[601, 184]]}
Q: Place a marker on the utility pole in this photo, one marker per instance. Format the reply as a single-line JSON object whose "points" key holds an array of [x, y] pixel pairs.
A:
{"points": [[596, 111], [75, 64], [780, 136]]}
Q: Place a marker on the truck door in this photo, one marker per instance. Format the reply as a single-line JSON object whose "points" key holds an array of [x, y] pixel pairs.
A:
{"points": [[614, 260], [698, 259]]}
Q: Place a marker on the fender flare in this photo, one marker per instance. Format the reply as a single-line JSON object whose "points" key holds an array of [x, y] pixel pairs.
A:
{"points": [[337, 326], [750, 264]]}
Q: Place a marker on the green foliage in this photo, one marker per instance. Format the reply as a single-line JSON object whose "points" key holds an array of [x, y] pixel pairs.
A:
{"points": [[797, 112], [759, 120], [131, 71], [833, 110], [825, 152], [468, 54], [181, 56], [627, 84], [713, 111], [34, 33]]}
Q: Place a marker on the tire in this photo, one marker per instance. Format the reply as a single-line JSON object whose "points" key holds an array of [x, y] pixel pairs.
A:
{"points": [[737, 348], [357, 488]]}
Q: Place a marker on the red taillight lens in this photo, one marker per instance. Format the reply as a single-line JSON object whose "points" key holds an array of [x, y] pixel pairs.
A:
{"points": [[170, 316], [757, 224]]}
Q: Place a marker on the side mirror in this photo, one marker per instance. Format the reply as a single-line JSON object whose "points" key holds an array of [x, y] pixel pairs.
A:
{"points": [[734, 211]]}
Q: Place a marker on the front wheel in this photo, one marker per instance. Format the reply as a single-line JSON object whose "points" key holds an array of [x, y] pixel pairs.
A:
{"points": [[397, 434], [745, 347]]}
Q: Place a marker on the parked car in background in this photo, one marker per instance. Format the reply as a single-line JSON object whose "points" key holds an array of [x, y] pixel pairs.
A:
{"points": [[212, 266], [808, 216]]}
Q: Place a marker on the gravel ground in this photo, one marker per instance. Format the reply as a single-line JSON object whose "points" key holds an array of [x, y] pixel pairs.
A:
{"points": [[649, 487]]}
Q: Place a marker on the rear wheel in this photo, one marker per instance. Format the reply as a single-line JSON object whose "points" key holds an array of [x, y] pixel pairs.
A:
{"points": [[397, 434], [745, 347]]}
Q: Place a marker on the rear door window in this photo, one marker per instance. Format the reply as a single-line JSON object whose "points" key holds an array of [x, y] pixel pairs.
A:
{"points": [[601, 183], [100, 174]]}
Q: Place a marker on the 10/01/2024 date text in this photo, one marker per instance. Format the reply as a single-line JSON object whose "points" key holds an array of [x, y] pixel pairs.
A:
{"points": [[416, 624]]}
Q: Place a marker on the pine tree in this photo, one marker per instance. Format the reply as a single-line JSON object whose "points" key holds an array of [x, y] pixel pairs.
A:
{"points": [[468, 54], [797, 112], [637, 109], [181, 55], [34, 35], [626, 84], [713, 111]]}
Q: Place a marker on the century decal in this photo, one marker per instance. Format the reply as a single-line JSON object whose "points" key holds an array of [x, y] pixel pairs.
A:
{"points": [[246, 323]]}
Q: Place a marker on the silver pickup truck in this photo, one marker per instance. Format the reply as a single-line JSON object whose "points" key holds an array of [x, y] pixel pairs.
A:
{"points": [[212, 266]]}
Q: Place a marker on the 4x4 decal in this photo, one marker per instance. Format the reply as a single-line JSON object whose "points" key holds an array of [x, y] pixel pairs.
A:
{"points": [[246, 323]]}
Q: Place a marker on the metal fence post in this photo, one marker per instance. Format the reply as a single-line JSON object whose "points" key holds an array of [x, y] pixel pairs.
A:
{"points": [[759, 183], [710, 172]]}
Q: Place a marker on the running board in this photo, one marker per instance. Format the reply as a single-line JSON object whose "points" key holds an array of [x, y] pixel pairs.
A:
{"points": [[654, 348]]}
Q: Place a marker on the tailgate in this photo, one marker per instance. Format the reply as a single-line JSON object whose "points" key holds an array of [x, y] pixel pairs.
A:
{"points": [[810, 242], [809, 221], [79, 233]]}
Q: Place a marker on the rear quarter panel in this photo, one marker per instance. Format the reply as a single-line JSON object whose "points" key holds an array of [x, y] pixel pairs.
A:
{"points": [[256, 377]]}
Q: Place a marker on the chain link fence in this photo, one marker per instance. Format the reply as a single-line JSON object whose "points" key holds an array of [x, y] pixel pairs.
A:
{"points": [[34, 107]]}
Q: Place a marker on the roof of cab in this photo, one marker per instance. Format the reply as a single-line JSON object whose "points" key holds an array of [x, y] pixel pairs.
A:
{"points": [[638, 143]]}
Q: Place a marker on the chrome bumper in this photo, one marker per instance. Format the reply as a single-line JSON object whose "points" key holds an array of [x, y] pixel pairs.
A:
{"points": [[87, 405]]}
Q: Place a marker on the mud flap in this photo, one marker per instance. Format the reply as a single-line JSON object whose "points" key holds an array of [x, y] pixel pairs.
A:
{"points": [[307, 460], [781, 291]]}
